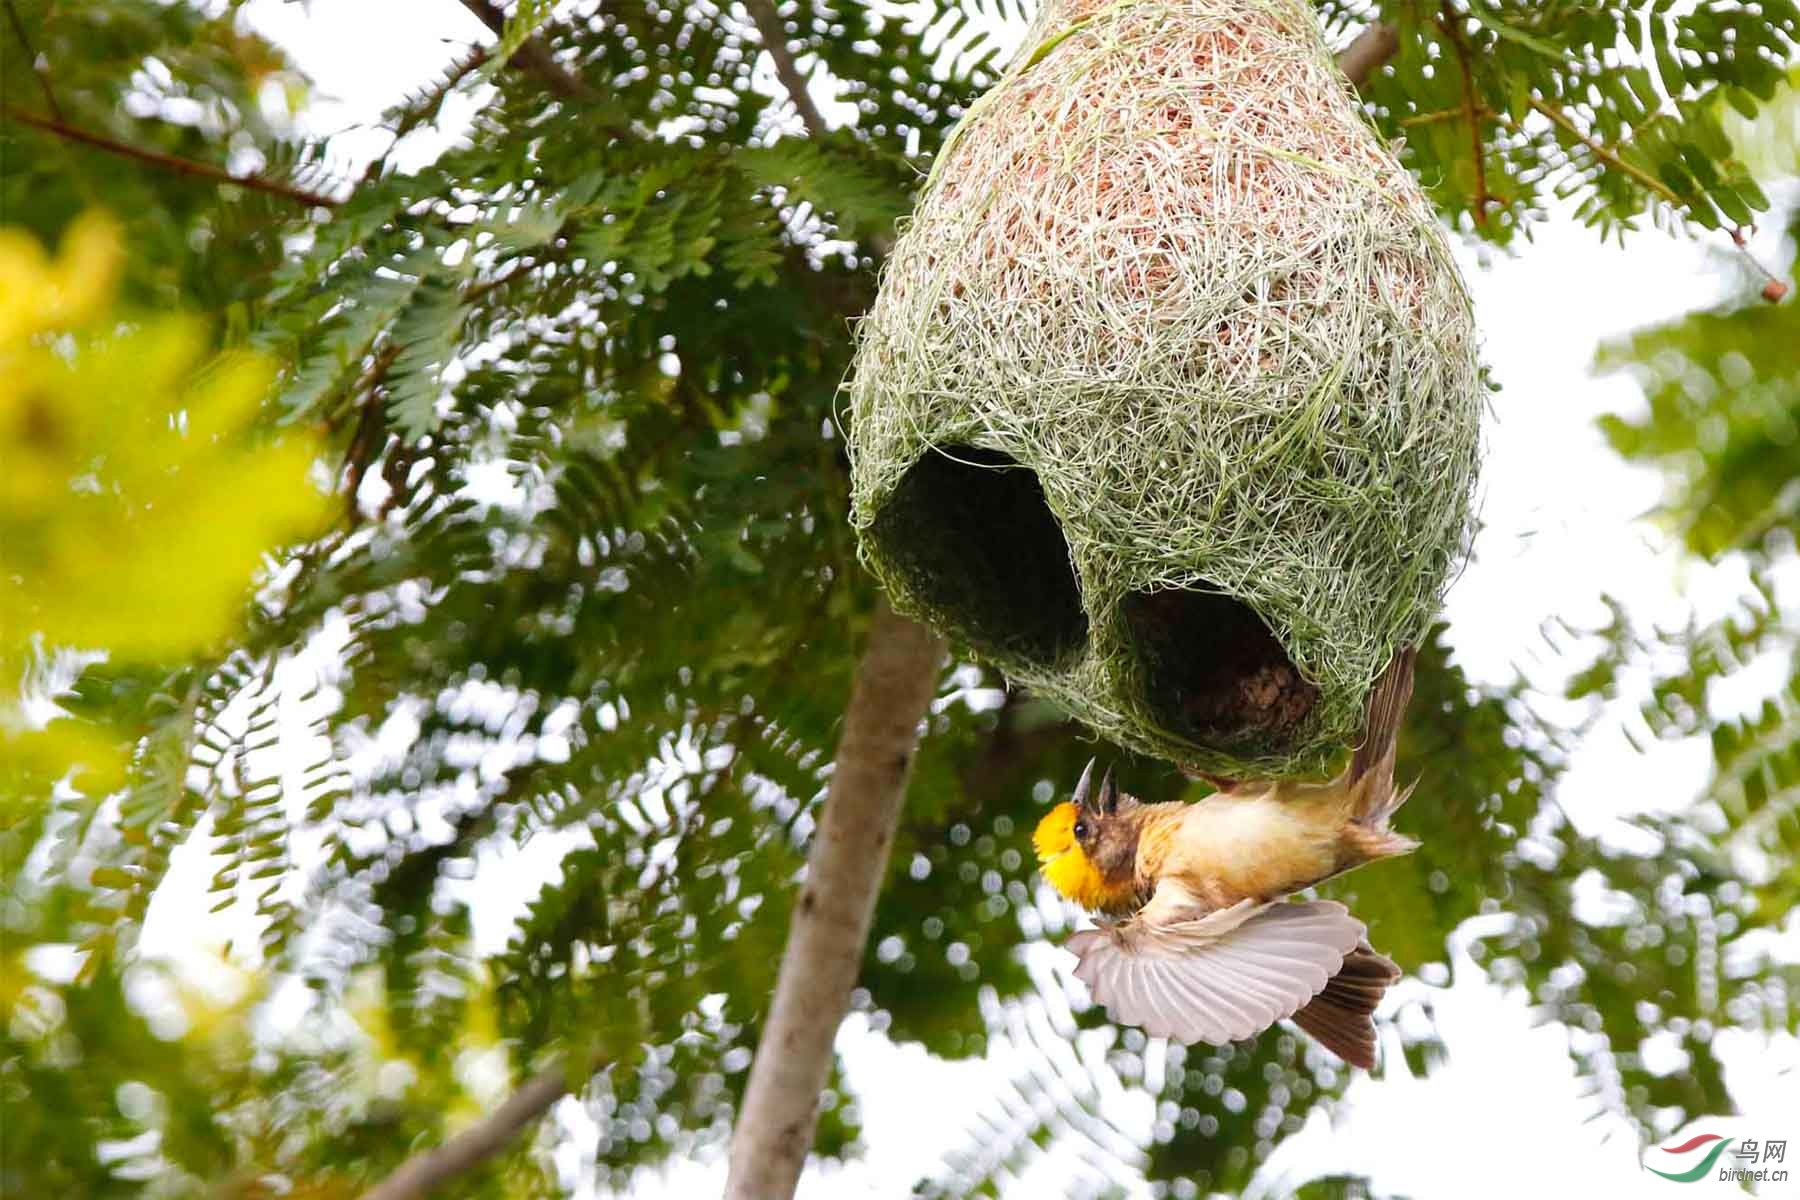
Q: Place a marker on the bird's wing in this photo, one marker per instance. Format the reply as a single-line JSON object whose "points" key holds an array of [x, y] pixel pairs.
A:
{"points": [[1218, 978]]}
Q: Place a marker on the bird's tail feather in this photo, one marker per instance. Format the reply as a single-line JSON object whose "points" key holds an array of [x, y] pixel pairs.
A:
{"points": [[1386, 709], [1340, 1018], [1368, 838], [1371, 774]]}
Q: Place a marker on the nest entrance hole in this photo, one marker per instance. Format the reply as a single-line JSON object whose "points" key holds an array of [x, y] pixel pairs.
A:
{"points": [[971, 531], [1214, 673]]}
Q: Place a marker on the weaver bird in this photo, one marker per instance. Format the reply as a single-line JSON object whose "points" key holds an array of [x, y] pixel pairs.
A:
{"points": [[1209, 950]]}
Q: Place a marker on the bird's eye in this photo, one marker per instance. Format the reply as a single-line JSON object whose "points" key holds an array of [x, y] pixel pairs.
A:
{"points": [[1081, 829]]}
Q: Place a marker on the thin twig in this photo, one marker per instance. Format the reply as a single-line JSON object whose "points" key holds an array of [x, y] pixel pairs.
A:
{"points": [[1774, 288], [774, 39], [422, 1173], [1445, 114], [40, 68], [1477, 143], [533, 57], [476, 291], [370, 433], [415, 114], [170, 162], [1606, 154]]}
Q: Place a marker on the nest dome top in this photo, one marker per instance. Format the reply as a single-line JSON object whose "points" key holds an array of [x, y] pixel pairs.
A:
{"points": [[1169, 402]]}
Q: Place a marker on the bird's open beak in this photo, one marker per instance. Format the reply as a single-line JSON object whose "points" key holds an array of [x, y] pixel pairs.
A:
{"points": [[1107, 802], [1081, 789]]}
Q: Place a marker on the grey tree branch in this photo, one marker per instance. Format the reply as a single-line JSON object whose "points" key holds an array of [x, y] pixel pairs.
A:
{"points": [[420, 1175], [774, 39], [844, 869], [1368, 51]]}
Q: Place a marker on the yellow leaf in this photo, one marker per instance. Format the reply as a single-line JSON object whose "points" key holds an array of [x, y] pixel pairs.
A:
{"points": [[141, 493], [41, 294]]}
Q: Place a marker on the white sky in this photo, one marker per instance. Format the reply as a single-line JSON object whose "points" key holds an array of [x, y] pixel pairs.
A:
{"points": [[1504, 1117]]}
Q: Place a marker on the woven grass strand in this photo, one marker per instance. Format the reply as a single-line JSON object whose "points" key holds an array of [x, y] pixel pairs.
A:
{"points": [[1165, 265]]}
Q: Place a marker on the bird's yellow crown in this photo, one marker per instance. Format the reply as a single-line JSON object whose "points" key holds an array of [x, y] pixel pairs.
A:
{"points": [[1065, 865]]}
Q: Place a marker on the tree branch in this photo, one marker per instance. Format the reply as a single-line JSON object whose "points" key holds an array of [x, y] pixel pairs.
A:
{"points": [[39, 68], [1774, 288], [370, 434], [894, 685], [533, 57], [774, 39], [1607, 155], [422, 1173], [1472, 109], [1368, 52], [170, 162], [427, 107]]}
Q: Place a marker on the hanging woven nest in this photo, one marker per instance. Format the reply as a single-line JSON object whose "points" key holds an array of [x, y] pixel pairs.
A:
{"points": [[1168, 406]]}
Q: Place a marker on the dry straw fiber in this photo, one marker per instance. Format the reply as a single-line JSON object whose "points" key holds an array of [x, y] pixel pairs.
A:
{"points": [[1169, 403]]}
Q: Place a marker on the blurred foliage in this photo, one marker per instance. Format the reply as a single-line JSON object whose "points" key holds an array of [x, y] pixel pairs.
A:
{"points": [[119, 514], [121, 533], [1503, 106], [164, 78], [578, 642], [1723, 424]]}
